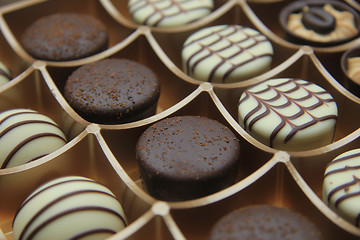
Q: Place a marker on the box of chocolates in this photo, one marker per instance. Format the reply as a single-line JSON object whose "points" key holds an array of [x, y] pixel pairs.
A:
{"points": [[179, 119]]}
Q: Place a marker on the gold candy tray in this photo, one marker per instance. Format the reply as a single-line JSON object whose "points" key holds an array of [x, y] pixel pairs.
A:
{"points": [[106, 153]]}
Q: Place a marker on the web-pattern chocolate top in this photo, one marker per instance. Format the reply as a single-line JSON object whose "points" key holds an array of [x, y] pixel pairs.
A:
{"points": [[158, 12], [225, 49], [291, 104]]}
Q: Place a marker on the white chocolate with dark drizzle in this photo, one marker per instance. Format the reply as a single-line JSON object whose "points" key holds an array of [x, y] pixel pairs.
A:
{"points": [[71, 207], [288, 114], [168, 13], [226, 54], [26, 135], [341, 186]]}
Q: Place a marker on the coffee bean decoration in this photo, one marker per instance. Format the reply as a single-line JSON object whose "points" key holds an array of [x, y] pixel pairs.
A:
{"points": [[319, 20]]}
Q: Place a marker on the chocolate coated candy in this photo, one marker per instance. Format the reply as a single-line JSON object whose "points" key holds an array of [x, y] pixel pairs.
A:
{"points": [[319, 20]]}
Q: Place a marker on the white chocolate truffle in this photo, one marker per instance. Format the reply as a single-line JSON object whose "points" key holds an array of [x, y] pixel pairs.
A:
{"points": [[168, 13], [341, 188], [288, 114], [26, 135], [69, 207], [226, 54], [5, 74]]}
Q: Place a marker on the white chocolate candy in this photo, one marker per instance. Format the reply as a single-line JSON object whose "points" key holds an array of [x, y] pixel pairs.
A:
{"points": [[341, 186], [26, 135], [69, 207], [5, 74], [288, 114], [168, 13], [226, 54]]}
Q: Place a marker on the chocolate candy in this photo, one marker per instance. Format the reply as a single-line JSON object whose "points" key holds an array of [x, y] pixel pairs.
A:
{"points": [[70, 207], [319, 23], [65, 36], [26, 135], [264, 222], [226, 54], [113, 91], [187, 157], [341, 189], [288, 114]]}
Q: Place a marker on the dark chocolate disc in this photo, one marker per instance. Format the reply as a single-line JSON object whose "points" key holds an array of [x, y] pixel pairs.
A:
{"points": [[319, 20]]}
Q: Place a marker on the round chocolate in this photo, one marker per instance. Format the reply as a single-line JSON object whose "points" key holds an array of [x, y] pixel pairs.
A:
{"points": [[319, 23], [187, 157], [226, 54], [70, 207], [341, 189], [288, 114], [26, 135], [65, 36], [264, 222], [113, 91]]}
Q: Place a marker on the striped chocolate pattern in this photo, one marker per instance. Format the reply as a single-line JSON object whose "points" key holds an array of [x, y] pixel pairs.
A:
{"points": [[159, 12], [278, 97], [23, 128], [341, 187], [44, 202], [232, 47]]}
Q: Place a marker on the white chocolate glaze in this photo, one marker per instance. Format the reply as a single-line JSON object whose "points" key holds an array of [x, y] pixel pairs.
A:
{"points": [[168, 13], [5, 74], [67, 208], [341, 186], [344, 26], [226, 53], [288, 114], [26, 135]]}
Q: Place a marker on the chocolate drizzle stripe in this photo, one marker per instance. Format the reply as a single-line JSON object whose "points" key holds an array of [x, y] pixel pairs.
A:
{"points": [[345, 197], [285, 119], [342, 187], [49, 187], [357, 220], [344, 158], [344, 169], [218, 32], [157, 10], [217, 52], [26, 122], [207, 47], [24, 142], [92, 232], [68, 212], [58, 200], [16, 114]]}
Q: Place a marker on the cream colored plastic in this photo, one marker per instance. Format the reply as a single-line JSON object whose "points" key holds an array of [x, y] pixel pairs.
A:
{"points": [[106, 153]]}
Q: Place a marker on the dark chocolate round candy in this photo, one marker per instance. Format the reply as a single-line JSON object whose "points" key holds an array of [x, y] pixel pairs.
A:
{"points": [[113, 91], [65, 36], [317, 19], [264, 222], [187, 157]]}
